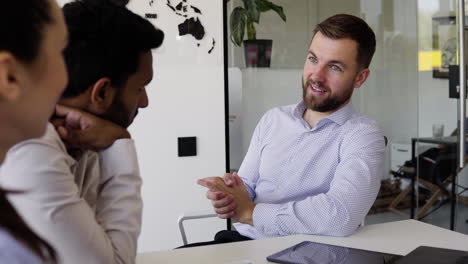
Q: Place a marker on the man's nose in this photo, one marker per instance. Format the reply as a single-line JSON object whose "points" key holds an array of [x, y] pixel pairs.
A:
{"points": [[318, 74], [143, 103]]}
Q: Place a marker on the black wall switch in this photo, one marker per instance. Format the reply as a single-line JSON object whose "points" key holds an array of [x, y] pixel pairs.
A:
{"points": [[187, 146], [151, 15]]}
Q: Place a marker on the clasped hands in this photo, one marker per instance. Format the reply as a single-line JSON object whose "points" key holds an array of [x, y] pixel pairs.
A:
{"points": [[82, 130], [229, 197]]}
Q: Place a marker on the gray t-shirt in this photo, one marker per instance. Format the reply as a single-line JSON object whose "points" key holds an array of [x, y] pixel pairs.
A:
{"points": [[14, 252]]}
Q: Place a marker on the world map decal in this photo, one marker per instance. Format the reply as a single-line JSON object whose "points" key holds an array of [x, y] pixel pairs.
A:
{"points": [[192, 25]]}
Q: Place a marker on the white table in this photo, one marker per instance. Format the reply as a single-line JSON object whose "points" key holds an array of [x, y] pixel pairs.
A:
{"points": [[399, 237]]}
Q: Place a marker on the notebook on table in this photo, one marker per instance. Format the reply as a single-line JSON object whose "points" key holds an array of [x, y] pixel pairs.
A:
{"points": [[431, 255]]}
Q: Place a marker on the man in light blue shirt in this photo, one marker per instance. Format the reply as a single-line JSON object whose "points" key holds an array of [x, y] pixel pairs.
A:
{"points": [[314, 167]]}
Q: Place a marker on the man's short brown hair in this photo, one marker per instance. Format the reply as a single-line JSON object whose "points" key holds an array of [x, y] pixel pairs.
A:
{"points": [[343, 26]]}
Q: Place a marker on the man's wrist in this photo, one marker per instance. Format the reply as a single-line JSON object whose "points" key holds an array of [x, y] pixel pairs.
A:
{"points": [[117, 133], [249, 214]]}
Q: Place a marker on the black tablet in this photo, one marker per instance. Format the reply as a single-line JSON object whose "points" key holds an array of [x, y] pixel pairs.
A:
{"points": [[315, 253]]}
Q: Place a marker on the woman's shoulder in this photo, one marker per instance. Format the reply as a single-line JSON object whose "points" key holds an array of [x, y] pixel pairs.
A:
{"points": [[13, 251]]}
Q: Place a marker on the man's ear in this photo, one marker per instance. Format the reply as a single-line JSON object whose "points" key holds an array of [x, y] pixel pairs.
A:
{"points": [[10, 76], [361, 77], [102, 95]]}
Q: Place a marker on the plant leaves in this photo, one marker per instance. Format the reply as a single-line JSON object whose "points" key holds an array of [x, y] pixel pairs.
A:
{"points": [[237, 25], [252, 10], [265, 5]]}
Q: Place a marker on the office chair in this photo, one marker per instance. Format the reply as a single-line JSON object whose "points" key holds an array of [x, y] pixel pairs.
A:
{"points": [[435, 168], [192, 216]]}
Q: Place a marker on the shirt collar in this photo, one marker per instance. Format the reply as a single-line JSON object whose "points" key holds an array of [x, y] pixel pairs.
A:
{"points": [[339, 117], [299, 109], [343, 114]]}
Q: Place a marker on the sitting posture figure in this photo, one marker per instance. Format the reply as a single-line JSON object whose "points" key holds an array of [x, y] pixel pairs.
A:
{"points": [[314, 167], [81, 179]]}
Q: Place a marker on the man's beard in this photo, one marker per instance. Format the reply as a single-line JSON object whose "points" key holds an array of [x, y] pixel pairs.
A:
{"points": [[118, 113], [331, 103]]}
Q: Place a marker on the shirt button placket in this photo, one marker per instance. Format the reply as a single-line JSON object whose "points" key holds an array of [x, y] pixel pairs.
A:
{"points": [[292, 157]]}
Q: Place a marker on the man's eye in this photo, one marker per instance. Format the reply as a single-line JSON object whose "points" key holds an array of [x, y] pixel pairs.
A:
{"points": [[335, 68], [313, 59]]}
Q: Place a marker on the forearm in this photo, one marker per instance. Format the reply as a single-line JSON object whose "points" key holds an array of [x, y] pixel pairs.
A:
{"points": [[119, 206], [318, 215], [337, 212], [53, 208], [56, 209]]}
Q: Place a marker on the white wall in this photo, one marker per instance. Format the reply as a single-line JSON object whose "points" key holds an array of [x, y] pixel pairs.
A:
{"points": [[186, 99]]}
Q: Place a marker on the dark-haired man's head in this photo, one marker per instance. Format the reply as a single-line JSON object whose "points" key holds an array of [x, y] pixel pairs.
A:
{"points": [[343, 26], [109, 59], [337, 61], [32, 70]]}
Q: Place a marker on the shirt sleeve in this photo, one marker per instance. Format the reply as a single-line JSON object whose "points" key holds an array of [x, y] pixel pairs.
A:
{"points": [[52, 206], [250, 167], [352, 192]]}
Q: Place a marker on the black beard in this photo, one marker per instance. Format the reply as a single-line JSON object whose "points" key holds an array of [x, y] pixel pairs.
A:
{"points": [[117, 114]]}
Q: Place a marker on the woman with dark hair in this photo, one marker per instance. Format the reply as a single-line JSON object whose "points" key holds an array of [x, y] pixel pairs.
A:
{"points": [[33, 36]]}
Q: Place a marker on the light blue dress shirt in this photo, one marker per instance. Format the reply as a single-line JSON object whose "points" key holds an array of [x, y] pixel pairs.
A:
{"points": [[14, 252], [319, 181]]}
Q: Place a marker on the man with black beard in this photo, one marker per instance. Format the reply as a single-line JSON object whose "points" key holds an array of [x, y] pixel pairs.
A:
{"points": [[81, 179], [314, 167]]}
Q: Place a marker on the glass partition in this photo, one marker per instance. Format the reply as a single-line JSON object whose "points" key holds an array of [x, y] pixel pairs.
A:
{"points": [[406, 92]]}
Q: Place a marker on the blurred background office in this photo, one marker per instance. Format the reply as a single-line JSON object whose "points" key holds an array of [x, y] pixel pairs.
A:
{"points": [[407, 91]]}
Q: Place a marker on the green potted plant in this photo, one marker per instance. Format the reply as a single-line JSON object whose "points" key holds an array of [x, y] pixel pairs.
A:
{"points": [[257, 52]]}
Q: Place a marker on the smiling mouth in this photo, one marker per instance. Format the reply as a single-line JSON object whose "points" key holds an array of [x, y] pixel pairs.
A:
{"points": [[315, 89]]}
